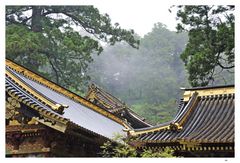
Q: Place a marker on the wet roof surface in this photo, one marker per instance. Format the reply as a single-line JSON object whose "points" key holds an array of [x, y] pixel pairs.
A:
{"points": [[211, 121], [132, 118], [76, 112]]}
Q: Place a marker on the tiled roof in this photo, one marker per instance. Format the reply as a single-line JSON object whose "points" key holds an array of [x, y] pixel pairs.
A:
{"points": [[202, 119], [58, 106], [115, 106]]}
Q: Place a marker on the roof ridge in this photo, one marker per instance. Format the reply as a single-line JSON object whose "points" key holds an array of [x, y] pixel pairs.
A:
{"points": [[36, 94], [209, 87], [108, 94], [175, 124], [94, 87], [38, 106], [43, 81]]}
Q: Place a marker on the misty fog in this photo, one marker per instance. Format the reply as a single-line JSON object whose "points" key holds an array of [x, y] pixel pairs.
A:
{"points": [[147, 79]]}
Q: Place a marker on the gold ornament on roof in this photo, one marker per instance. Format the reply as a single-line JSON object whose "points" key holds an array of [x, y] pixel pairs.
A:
{"points": [[12, 106]]}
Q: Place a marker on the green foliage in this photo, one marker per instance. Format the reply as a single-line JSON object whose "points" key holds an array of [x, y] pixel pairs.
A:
{"points": [[156, 113], [210, 49], [47, 40], [148, 79], [166, 153], [120, 147]]}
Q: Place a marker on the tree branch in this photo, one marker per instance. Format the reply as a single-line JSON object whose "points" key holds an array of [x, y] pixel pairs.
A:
{"points": [[225, 67], [54, 69], [25, 20], [48, 54], [16, 22]]}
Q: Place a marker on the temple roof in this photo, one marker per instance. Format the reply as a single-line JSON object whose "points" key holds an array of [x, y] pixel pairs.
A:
{"points": [[206, 115], [114, 105], [59, 105]]}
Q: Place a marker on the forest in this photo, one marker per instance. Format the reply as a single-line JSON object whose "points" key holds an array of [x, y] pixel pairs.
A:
{"points": [[144, 72], [147, 79]]}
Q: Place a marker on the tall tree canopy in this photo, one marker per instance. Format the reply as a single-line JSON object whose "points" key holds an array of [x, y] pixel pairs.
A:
{"points": [[46, 39], [148, 79], [210, 49]]}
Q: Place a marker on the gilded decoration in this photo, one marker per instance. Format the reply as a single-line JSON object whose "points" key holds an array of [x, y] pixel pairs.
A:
{"points": [[12, 106], [13, 112]]}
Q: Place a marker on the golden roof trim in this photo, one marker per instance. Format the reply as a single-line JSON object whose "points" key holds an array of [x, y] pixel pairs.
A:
{"points": [[208, 92], [116, 106], [37, 95], [171, 126], [60, 123], [92, 93], [195, 98], [174, 125], [63, 91], [135, 133]]}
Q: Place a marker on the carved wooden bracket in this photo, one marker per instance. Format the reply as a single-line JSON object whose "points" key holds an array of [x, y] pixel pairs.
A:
{"points": [[12, 106], [13, 112]]}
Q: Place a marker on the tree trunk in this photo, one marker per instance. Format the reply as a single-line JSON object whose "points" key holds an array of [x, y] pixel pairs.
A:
{"points": [[36, 19]]}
